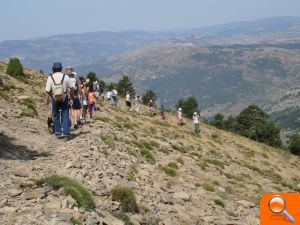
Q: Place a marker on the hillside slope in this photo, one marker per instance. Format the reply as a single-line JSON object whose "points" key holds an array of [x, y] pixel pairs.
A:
{"points": [[218, 178]]}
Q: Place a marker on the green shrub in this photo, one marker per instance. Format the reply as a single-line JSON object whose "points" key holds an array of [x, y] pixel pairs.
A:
{"points": [[122, 216], [15, 68], [28, 112], [179, 148], [130, 126], [126, 197], [154, 144], [294, 145], [149, 157], [108, 140], [75, 222], [168, 170], [131, 172], [71, 187], [215, 162], [208, 187], [31, 104], [146, 144], [173, 165], [5, 96], [103, 119], [220, 203]]}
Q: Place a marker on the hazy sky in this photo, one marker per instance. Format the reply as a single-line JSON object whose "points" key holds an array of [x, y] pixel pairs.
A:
{"points": [[22, 19]]}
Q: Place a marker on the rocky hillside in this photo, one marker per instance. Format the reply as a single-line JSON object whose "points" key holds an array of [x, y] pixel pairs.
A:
{"points": [[177, 178]]}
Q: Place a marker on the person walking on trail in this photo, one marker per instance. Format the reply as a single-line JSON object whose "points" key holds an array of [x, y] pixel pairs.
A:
{"points": [[150, 106], [84, 103], [114, 97], [56, 89], [76, 105], [138, 103], [162, 112], [128, 101], [196, 119], [92, 102], [179, 117], [108, 96]]}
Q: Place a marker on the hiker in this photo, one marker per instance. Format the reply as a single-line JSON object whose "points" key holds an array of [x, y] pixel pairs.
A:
{"points": [[150, 106], [162, 112], [84, 103], [179, 117], [128, 101], [91, 102], [114, 97], [108, 95], [137, 103], [76, 104], [56, 89], [196, 119]]}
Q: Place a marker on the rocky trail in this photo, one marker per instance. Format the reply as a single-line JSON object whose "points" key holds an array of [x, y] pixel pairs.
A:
{"points": [[178, 178]]}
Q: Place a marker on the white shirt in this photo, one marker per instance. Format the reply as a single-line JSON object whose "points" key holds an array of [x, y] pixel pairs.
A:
{"points": [[196, 119], [128, 98], [179, 114], [57, 78], [108, 94]]}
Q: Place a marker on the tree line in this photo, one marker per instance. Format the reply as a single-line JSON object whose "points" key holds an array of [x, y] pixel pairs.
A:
{"points": [[255, 124]]}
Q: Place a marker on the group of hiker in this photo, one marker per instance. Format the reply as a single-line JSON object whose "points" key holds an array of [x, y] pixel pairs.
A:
{"points": [[74, 102]]}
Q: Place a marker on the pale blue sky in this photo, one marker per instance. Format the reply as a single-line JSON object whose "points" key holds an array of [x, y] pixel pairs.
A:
{"points": [[22, 19]]}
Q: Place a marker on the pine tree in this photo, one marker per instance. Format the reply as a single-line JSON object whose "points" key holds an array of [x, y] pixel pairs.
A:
{"points": [[125, 85], [149, 95], [189, 106]]}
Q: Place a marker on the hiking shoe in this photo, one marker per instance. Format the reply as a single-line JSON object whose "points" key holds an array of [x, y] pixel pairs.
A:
{"points": [[76, 126], [67, 138]]}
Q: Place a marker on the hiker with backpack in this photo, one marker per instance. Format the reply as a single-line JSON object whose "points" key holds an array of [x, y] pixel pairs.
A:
{"points": [[76, 104], [56, 89], [196, 119], [179, 117]]}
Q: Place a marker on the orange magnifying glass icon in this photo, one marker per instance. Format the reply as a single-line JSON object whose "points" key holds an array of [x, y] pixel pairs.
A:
{"points": [[277, 205]]}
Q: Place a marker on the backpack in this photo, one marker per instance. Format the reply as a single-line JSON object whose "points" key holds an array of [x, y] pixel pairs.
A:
{"points": [[91, 98], [58, 91]]}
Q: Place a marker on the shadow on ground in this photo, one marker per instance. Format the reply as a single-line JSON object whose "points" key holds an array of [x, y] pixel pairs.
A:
{"points": [[9, 150]]}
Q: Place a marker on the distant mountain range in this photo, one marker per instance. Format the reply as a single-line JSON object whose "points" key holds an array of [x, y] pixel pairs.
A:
{"points": [[88, 48], [223, 78], [226, 67]]}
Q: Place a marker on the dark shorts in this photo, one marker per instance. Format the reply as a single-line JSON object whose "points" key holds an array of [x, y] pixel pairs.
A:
{"points": [[92, 107], [128, 104], [76, 104]]}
